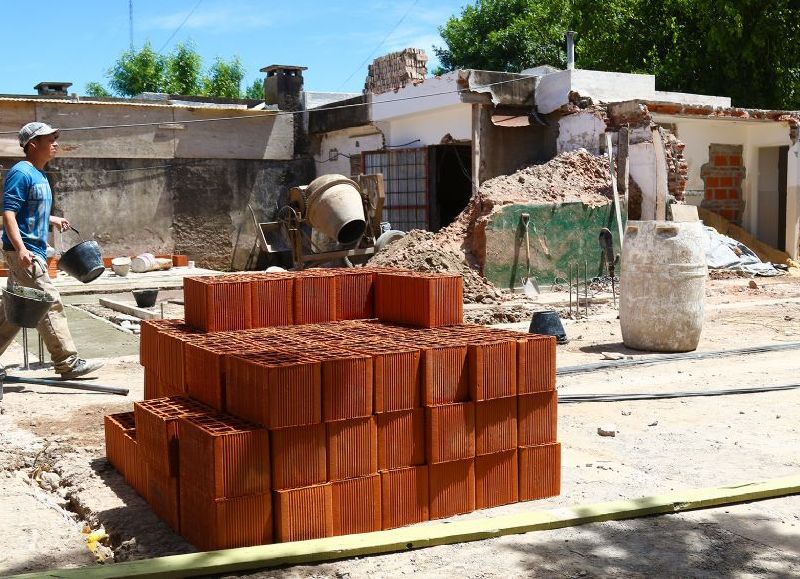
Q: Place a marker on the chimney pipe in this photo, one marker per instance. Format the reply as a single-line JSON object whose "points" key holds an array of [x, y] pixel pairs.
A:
{"points": [[570, 50]]}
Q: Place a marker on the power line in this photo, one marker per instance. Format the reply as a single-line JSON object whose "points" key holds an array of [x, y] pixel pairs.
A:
{"points": [[374, 50], [180, 25], [283, 113]]}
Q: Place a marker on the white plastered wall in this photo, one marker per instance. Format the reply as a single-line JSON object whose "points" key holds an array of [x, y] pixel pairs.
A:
{"points": [[698, 134], [337, 147], [428, 128], [793, 201], [580, 130]]}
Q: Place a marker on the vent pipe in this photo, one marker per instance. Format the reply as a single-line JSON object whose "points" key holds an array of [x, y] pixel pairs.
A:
{"points": [[570, 50]]}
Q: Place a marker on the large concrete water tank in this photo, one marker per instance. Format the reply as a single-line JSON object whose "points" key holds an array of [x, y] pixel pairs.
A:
{"points": [[663, 285]]}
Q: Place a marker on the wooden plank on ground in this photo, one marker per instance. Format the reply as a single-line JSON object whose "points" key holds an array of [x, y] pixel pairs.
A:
{"points": [[617, 209], [131, 310], [430, 535]]}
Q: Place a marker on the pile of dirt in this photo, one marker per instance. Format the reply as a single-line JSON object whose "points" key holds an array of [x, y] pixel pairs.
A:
{"points": [[421, 251], [576, 176]]}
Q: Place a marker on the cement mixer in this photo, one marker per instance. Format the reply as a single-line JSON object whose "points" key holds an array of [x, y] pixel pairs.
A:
{"points": [[332, 218]]}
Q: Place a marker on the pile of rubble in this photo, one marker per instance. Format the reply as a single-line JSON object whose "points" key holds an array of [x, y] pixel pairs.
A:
{"points": [[422, 251], [396, 70], [577, 176]]}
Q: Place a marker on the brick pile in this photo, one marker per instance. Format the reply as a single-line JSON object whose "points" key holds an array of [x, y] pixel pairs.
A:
{"points": [[396, 70], [283, 433]]}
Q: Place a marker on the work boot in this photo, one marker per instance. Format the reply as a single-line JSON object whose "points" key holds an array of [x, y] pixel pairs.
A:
{"points": [[81, 368]]}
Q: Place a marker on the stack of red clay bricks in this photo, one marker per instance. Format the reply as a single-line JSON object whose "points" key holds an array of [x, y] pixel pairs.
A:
{"points": [[280, 433]]}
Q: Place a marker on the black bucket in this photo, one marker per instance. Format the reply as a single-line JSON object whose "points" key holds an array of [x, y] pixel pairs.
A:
{"points": [[145, 298], [83, 261], [548, 323], [26, 306]]}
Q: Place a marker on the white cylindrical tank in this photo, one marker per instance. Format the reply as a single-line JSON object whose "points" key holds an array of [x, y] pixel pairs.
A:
{"points": [[663, 283]]}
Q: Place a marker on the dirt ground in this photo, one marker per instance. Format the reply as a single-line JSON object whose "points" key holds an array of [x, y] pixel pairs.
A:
{"points": [[55, 484]]}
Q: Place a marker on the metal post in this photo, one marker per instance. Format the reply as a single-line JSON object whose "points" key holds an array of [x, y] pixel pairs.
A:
{"points": [[586, 286], [25, 362], [41, 348], [569, 283], [570, 50]]}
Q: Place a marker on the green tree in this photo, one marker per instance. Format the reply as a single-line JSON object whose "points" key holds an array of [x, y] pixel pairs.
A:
{"points": [[739, 48], [138, 72], [95, 89], [256, 90], [224, 79], [183, 69]]}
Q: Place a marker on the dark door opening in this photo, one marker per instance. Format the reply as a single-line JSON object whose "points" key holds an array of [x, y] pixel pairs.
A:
{"points": [[783, 167], [450, 182]]}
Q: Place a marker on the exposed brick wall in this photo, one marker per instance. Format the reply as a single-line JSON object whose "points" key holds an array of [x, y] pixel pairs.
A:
{"points": [[396, 70], [677, 168], [723, 176]]}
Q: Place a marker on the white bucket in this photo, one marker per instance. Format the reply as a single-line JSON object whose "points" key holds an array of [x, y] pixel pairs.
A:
{"points": [[144, 262]]}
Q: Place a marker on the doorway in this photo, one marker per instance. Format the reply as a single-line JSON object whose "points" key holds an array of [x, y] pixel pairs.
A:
{"points": [[450, 177], [772, 170]]}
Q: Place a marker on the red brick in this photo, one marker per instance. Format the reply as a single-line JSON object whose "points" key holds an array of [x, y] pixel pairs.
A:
{"points": [[224, 457], [537, 418], [163, 494], [493, 370], [496, 479], [211, 523], [352, 448], [404, 496], [275, 389], [157, 429], [303, 513], [536, 364], [539, 471], [450, 432], [401, 439], [445, 374], [452, 488], [495, 425], [299, 456], [356, 505]]}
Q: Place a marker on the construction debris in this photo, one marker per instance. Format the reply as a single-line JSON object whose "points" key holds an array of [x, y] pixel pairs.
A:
{"points": [[396, 70], [577, 176], [423, 251]]}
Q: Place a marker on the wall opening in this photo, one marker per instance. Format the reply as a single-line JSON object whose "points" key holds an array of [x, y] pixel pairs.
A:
{"points": [[771, 199], [450, 182]]}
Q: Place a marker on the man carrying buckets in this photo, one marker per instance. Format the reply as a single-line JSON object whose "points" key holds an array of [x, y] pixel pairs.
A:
{"points": [[27, 201]]}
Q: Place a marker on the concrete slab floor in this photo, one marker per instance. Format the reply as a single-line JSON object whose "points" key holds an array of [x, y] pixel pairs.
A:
{"points": [[93, 338]]}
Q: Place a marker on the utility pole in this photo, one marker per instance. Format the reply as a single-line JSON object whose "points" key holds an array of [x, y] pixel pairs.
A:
{"points": [[130, 20]]}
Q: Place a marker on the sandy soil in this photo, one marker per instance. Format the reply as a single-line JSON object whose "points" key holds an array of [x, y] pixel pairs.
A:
{"points": [[55, 483]]}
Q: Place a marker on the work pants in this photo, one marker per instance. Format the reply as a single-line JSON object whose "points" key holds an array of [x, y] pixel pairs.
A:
{"points": [[53, 328]]}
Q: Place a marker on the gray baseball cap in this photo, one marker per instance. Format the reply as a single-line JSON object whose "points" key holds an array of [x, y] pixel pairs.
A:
{"points": [[33, 130]]}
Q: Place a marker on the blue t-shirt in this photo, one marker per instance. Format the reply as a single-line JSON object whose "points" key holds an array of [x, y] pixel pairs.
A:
{"points": [[27, 193]]}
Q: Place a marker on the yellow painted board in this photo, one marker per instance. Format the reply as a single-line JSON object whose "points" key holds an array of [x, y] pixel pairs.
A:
{"points": [[404, 539]]}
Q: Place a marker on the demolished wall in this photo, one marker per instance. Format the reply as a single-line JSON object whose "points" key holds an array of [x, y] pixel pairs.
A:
{"points": [[194, 207]]}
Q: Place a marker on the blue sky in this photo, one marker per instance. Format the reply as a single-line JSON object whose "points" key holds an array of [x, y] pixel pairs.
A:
{"points": [[78, 41]]}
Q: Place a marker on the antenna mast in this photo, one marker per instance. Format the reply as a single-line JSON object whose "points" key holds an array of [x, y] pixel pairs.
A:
{"points": [[130, 20]]}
